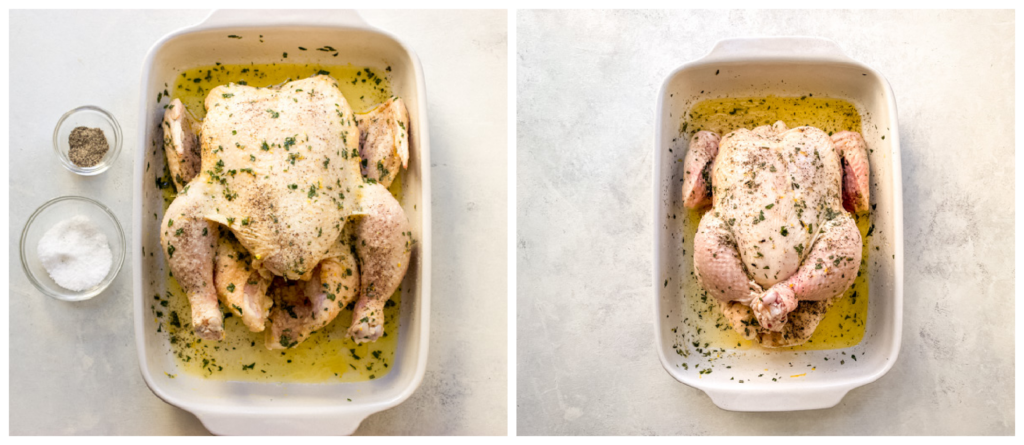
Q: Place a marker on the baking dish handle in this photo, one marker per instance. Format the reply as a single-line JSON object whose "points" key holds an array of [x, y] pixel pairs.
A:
{"points": [[281, 424], [777, 400], [816, 48], [246, 18]]}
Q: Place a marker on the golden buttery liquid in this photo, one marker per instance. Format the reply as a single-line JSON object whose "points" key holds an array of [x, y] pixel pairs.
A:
{"points": [[843, 325], [327, 355]]}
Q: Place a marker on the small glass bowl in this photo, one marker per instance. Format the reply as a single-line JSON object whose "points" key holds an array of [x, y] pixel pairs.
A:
{"points": [[48, 215], [92, 117]]}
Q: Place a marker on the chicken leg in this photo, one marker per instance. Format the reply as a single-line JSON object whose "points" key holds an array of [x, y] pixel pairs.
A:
{"points": [[339, 278], [717, 263], [190, 241], [242, 289], [829, 268], [310, 306], [384, 246]]}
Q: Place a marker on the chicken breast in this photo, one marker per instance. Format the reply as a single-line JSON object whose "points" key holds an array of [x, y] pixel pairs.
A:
{"points": [[278, 168]]}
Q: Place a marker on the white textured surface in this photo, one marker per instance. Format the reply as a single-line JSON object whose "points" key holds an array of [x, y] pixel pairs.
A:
{"points": [[587, 85], [74, 368]]}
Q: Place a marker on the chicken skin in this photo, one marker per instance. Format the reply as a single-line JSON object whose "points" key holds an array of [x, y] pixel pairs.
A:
{"points": [[280, 174], [181, 142], [777, 233], [384, 142], [197, 251], [241, 288], [334, 284]]}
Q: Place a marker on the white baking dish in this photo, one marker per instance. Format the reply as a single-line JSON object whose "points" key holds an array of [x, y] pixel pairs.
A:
{"points": [[231, 407], [782, 67]]}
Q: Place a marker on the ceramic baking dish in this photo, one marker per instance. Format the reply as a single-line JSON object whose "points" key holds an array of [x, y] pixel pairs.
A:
{"points": [[234, 407], [806, 379]]}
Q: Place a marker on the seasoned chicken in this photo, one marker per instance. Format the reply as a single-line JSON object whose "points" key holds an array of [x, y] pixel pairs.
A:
{"points": [[334, 284], [181, 143], [777, 233], [190, 242], [292, 316], [232, 262], [280, 172], [798, 329], [852, 150], [384, 245], [241, 287], [279, 167], [384, 140]]}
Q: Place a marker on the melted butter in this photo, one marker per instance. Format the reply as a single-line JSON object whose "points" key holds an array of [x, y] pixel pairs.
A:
{"points": [[327, 355], [843, 325], [724, 115], [363, 88]]}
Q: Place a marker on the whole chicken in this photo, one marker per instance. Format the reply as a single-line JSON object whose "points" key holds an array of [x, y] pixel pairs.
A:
{"points": [[779, 230], [270, 190]]}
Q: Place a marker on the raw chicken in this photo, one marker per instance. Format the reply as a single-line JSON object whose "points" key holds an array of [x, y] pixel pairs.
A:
{"points": [[777, 232], [383, 246], [181, 142], [190, 242], [280, 169], [240, 287], [334, 284], [195, 257], [384, 142]]}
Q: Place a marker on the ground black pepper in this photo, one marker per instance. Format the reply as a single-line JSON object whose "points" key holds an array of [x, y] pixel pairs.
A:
{"points": [[88, 146]]}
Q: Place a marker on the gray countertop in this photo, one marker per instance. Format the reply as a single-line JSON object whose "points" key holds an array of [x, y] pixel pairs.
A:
{"points": [[587, 85], [73, 367]]}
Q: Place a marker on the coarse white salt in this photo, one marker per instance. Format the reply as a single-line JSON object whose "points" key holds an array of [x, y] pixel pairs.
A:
{"points": [[75, 253]]}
